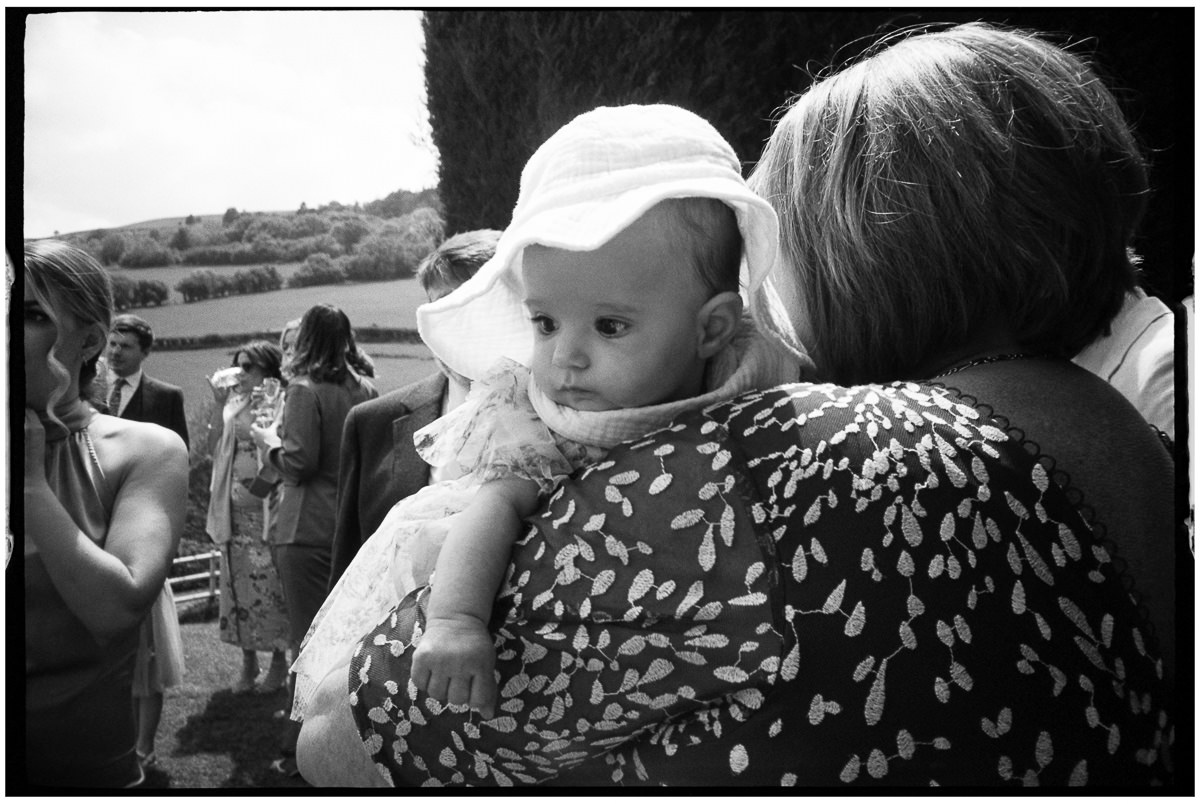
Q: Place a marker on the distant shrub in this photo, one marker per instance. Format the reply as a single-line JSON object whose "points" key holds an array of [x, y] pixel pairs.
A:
{"points": [[318, 269], [182, 239], [209, 255], [129, 292], [111, 248], [148, 253], [261, 248], [383, 256], [198, 285], [257, 280], [123, 288], [152, 292], [348, 232], [302, 248]]}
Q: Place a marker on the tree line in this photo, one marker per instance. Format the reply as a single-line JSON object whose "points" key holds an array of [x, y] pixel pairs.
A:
{"points": [[382, 240]]}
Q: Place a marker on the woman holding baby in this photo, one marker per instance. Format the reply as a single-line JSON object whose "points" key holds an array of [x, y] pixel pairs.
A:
{"points": [[950, 563]]}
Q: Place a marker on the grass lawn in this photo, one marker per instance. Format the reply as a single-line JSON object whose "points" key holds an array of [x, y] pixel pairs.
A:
{"points": [[209, 737], [384, 304], [396, 365]]}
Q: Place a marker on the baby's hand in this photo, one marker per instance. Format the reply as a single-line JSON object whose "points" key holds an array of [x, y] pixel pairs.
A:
{"points": [[455, 663]]}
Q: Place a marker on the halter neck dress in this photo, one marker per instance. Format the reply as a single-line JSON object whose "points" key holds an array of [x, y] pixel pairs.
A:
{"points": [[79, 724]]}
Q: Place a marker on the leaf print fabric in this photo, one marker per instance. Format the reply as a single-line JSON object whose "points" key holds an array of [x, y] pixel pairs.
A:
{"points": [[836, 586]]}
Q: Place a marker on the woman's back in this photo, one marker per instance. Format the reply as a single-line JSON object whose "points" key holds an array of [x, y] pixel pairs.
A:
{"points": [[817, 586], [311, 431], [1111, 458]]}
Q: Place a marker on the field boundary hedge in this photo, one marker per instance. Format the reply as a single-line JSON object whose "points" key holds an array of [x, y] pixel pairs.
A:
{"points": [[217, 340]]}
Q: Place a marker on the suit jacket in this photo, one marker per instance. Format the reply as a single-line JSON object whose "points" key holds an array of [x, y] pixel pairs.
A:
{"points": [[314, 414], [159, 403], [379, 464]]}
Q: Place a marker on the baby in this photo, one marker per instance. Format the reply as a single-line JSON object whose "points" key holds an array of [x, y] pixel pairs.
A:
{"points": [[613, 304]]}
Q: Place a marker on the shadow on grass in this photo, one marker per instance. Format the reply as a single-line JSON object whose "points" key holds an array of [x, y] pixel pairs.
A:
{"points": [[238, 736]]}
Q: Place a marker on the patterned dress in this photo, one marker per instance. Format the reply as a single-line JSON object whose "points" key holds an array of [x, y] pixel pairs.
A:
{"points": [[252, 611], [813, 586]]}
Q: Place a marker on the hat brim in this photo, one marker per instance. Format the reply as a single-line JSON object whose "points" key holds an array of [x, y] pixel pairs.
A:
{"points": [[485, 318]]}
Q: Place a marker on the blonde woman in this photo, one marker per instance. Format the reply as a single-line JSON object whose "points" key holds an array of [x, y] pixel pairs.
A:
{"points": [[104, 505]]}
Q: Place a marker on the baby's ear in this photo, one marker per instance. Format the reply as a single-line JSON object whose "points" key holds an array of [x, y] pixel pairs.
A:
{"points": [[717, 322]]}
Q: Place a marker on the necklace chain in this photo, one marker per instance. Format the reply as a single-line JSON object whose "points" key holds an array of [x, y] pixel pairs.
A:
{"points": [[982, 361]]}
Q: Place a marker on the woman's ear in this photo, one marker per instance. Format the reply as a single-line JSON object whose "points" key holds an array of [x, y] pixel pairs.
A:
{"points": [[95, 338], [717, 323]]}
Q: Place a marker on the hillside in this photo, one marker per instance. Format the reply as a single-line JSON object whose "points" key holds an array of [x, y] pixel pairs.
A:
{"points": [[170, 223], [390, 304]]}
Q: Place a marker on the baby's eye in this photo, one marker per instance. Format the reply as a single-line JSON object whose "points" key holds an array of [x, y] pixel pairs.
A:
{"points": [[543, 323], [611, 327]]}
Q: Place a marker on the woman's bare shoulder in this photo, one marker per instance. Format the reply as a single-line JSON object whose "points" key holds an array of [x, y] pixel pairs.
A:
{"points": [[124, 443]]}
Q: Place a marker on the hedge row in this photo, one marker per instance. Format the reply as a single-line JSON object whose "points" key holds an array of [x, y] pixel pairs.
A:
{"points": [[218, 340]]}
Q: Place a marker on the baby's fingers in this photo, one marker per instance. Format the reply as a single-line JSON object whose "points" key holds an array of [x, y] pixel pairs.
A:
{"points": [[458, 690], [420, 673], [484, 694]]}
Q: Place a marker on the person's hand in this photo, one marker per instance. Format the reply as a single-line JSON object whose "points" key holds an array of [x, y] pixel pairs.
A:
{"points": [[35, 450], [265, 437], [455, 663]]}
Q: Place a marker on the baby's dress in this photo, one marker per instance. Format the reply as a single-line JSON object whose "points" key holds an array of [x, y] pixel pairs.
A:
{"points": [[494, 434]]}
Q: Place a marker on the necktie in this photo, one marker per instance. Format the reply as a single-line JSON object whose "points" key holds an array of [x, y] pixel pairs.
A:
{"points": [[114, 398]]}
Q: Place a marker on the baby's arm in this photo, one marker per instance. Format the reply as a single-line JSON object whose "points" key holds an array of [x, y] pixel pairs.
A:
{"points": [[455, 659]]}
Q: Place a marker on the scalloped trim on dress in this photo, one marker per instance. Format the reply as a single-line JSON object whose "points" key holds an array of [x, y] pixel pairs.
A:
{"points": [[1076, 498]]}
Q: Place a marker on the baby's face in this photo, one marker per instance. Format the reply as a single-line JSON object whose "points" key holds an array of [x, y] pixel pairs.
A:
{"points": [[616, 327]]}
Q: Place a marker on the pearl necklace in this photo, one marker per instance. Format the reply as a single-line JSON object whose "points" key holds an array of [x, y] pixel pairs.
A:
{"points": [[983, 361]]}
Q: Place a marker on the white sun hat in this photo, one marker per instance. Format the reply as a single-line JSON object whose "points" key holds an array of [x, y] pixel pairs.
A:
{"points": [[589, 181]]}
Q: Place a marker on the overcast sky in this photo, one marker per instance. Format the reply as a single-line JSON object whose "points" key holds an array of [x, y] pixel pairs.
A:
{"points": [[132, 116]]}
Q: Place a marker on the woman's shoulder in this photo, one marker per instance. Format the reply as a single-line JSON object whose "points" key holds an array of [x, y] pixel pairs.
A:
{"points": [[827, 406], [125, 443]]}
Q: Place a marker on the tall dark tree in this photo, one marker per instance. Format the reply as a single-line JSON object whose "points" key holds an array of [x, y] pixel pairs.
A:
{"points": [[500, 82]]}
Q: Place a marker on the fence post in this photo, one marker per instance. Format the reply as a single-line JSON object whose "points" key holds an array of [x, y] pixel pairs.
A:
{"points": [[212, 580]]}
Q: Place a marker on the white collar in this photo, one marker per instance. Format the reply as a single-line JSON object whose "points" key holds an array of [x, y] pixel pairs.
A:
{"points": [[133, 380]]}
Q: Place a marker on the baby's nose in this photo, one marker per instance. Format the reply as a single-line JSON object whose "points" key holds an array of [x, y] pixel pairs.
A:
{"points": [[569, 353]]}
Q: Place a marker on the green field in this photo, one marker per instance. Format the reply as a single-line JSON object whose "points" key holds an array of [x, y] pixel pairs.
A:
{"points": [[396, 365], [381, 304]]}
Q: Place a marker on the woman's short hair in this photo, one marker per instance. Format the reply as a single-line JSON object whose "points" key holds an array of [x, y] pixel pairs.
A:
{"points": [[264, 354], [67, 280], [955, 178], [324, 345]]}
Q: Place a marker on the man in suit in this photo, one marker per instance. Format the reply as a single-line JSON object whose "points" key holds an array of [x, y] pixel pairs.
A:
{"points": [[379, 464], [133, 394]]}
